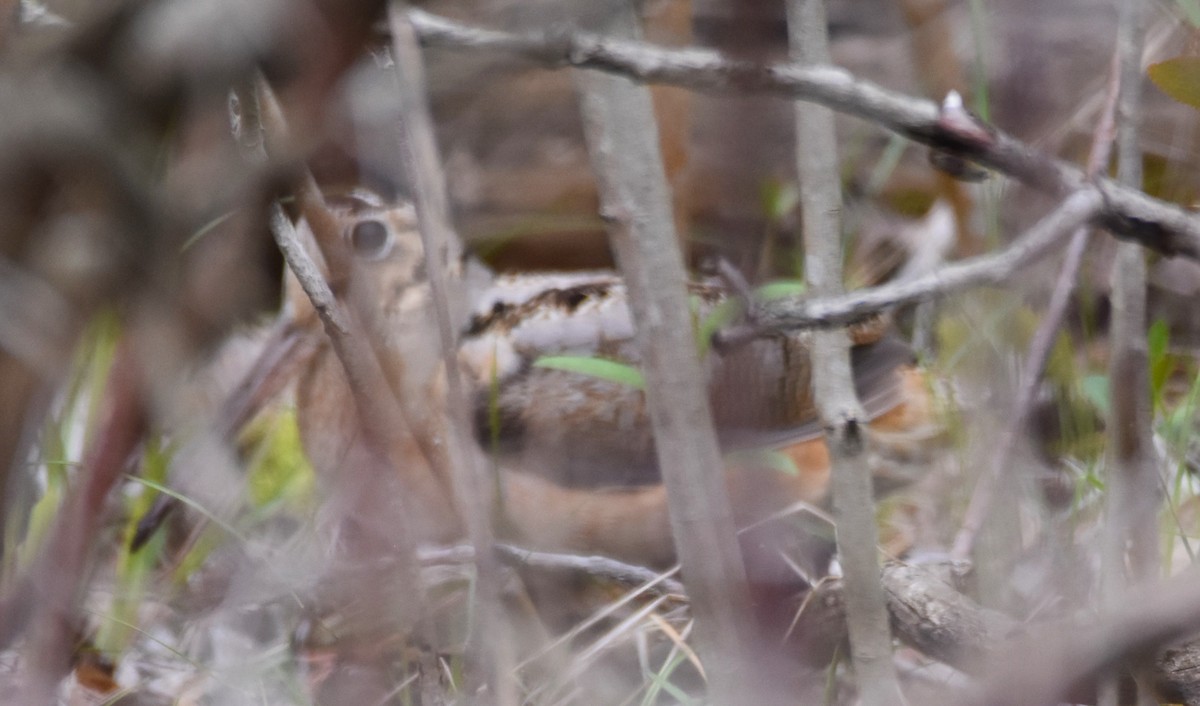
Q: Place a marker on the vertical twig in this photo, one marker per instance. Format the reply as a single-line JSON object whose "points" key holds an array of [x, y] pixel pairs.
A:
{"points": [[1134, 488], [1130, 537], [833, 383], [623, 141], [464, 463]]}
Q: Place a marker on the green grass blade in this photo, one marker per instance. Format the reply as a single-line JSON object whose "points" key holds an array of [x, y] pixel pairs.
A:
{"points": [[600, 368]]}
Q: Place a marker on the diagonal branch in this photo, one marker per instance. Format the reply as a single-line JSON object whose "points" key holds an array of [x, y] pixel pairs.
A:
{"points": [[47, 598], [984, 270], [1129, 213], [1048, 662]]}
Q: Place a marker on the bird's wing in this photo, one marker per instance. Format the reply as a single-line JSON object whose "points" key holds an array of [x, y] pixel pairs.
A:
{"points": [[583, 431]]}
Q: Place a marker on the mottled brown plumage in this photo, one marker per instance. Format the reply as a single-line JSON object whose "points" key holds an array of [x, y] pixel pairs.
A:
{"points": [[577, 456], [588, 432]]}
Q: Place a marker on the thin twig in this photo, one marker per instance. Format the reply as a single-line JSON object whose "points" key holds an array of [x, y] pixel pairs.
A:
{"points": [[595, 565], [1134, 495], [464, 464], [1133, 498], [383, 418], [599, 566], [1133, 214], [378, 411], [993, 269], [832, 377], [308, 273]]}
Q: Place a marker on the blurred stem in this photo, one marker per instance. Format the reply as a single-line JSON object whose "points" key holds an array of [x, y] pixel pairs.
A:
{"points": [[59, 573], [489, 651], [1133, 498], [1134, 492], [623, 143], [857, 535]]}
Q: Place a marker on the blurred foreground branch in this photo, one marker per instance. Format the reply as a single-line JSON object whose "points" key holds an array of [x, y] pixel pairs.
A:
{"points": [[929, 613], [623, 144], [490, 655], [1134, 487], [832, 378], [46, 598], [1130, 541], [1050, 661]]}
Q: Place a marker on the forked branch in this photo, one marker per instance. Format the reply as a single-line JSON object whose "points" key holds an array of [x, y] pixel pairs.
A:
{"points": [[995, 268]]}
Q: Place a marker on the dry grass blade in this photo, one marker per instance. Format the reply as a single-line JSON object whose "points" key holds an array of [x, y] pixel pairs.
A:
{"points": [[585, 658], [679, 641], [596, 618]]}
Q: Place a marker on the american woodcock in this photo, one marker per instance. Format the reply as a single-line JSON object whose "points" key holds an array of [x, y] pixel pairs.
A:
{"points": [[576, 451]]}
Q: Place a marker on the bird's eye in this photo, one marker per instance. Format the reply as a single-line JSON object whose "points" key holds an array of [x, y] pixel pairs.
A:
{"points": [[371, 239]]}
